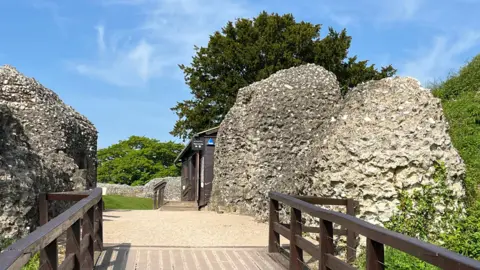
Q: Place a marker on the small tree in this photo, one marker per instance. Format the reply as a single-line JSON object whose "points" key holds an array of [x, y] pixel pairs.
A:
{"points": [[251, 50], [137, 160]]}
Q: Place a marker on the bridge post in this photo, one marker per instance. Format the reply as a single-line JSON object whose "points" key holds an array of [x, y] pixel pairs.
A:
{"points": [[326, 243], [351, 235], [48, 255], [273, 236], [296, 253], [99, 229], [375, 255]]}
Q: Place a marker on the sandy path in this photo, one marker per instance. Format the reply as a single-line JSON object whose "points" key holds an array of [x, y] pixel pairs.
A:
{"points": [[192, 229]]}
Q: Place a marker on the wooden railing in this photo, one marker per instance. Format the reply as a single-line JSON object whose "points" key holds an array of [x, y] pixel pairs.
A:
{"points": [[376, 237], [159, 194], [83, 223]]}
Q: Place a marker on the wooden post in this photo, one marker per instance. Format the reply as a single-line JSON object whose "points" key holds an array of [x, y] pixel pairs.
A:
{"points": [[351, 236], [87, 232], [162, 196], [273, 237], [43, 219], [296, 253], [155, 199], [73, 243], [326, 242], [51, 257], [197, 177], [375, 255], [42, 208], [99, 222]]}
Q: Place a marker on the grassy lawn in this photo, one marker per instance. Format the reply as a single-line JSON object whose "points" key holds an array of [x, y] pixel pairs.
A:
{"points": [[121, 202]]}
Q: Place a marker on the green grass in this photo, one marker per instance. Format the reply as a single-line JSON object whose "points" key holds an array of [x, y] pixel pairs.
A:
{"points": [[131, 203]]}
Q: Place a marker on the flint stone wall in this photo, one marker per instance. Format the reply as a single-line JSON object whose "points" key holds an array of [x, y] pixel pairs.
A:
{"points": [[292, 133], [45, 146], [172, 189]]}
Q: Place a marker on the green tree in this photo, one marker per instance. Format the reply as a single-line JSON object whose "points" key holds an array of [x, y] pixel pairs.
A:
{"points": [[251, 50], [137, 160]]}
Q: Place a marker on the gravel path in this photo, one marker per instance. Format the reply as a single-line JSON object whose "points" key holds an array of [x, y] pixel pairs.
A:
{"points": [[182, 229]]}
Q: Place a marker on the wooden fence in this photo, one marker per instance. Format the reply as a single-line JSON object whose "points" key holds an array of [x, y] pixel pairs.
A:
{"points": [[376, 237], [83, 223], [159, 194]]}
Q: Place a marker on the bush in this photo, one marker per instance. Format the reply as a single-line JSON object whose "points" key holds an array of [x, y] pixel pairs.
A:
{"points": [[460, 97], [397, 260], [465, 238], [417, 214]]}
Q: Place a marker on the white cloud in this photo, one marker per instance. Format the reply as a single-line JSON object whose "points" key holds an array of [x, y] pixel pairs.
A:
{"points": [[442, 57], [123, 63], [101, 38], [162, 40]]}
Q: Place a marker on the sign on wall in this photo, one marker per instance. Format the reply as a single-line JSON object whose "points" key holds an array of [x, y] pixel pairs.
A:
{"points": [[211, 142], [197, 144]]}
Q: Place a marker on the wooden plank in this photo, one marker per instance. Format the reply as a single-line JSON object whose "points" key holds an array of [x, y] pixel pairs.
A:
{"points": [[308, 229], [326, 242], [273, 236], [88, 236], [65, 197], [18, 254], [69, 263], [375, 255], [308, 246], [296, 253], [282, 230], [50, 259], [99, 231], [85, 244], [322, 201], [432, 254], [333, 262], [73, 244]]}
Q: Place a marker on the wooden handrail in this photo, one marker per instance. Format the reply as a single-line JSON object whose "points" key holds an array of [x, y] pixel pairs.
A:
{"points": [[44, 238], [159, 194], [376, 236]]}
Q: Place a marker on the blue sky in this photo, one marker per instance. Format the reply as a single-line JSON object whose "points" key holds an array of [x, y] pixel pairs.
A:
{"points": [[115, 61]]}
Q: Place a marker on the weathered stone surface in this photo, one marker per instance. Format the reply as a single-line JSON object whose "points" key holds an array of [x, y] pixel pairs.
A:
{"points": [[383, 137], [263, 137], [387, 137], [172, 189], [45, 145]]}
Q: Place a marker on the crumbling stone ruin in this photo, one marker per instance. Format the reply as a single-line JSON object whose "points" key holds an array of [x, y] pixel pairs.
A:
{"points": [[45, 146], [172, 190], [293, 133]]}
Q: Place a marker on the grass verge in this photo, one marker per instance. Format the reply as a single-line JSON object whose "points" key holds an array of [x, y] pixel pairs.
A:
{"points": [[130, 203]]}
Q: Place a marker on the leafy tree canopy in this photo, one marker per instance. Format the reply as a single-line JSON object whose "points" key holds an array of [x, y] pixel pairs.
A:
{"points": [[251, 50], [137, 160]]}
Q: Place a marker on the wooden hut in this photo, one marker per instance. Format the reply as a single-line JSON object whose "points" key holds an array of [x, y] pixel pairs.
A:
{"points": [[197, 167]]}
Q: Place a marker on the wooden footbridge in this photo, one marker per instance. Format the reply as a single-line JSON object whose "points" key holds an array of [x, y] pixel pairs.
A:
{"points": [[81, 228]]}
